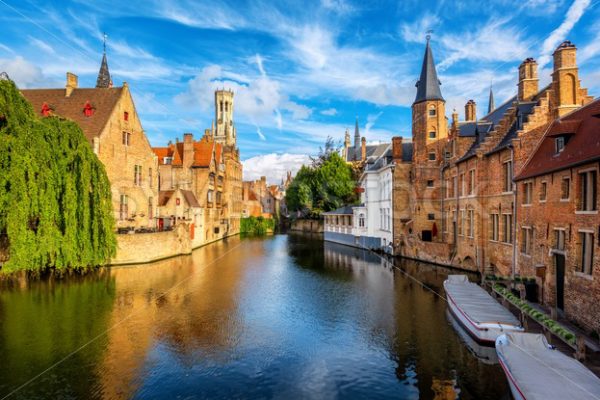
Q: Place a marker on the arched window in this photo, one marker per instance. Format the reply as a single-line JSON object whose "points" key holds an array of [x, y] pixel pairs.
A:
{"points": [[221, 106], [432, 111], [361, 220]]}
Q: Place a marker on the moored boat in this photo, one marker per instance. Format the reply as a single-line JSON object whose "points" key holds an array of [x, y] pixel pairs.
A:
{"points": [[537, 371], [481, 315]]}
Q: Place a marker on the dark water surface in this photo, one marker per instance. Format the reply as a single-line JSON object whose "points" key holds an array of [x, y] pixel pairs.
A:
{"points": [[283, 317]]}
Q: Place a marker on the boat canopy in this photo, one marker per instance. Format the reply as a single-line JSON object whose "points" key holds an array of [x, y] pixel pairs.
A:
{"points": [[476, 303], [540, 372]]}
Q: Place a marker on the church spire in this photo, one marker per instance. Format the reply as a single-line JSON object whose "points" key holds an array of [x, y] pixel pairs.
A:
{"points": [[491, 105], [428, 86], [356, 135], [104, 80]]}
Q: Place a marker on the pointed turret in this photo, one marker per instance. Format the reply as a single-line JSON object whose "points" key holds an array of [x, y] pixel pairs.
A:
{"points": [[104, 80], [491, 105], [428, 86], [357, 143]]}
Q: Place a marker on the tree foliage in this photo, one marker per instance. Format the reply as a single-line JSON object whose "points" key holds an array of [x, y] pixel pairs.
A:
{"points": [[327, 184], [55, 197], [257, 225]]}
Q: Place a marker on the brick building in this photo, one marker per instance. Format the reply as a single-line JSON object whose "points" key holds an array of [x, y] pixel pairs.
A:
{"points": [[457, 202], [260, 199], [209, 170], [108, 118], [558, 226]]}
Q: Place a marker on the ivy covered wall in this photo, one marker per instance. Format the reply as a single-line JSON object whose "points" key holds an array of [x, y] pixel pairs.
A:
{"points": [[55, 197]]}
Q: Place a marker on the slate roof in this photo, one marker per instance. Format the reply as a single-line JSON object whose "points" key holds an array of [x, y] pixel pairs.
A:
{"points": [[346, 210], [103, 80], [372, 150], [102, 100], [581, 130], [428, 85], [524, 110]]}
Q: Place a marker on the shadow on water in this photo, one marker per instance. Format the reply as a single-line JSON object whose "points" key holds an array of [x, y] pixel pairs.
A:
{"points": [[285, 316]]}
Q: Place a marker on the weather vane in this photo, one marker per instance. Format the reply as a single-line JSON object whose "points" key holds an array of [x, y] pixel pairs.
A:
{"points": [[105, 36], [429, 32]]}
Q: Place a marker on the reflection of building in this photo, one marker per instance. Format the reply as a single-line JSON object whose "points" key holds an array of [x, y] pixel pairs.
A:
{"points": [[108, 118]]}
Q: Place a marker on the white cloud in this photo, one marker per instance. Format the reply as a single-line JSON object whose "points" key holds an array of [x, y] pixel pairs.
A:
{"points": [[415, 32], [44, 46], [273, 166], [260, 134], [329, 111], [371, 119], [559, 34], [22, 72], [494, 41]]}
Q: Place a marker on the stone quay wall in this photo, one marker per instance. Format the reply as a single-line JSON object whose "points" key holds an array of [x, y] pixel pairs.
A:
{"points": [[307, 225]]}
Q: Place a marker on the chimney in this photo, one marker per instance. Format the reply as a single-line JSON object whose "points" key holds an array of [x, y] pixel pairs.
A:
{"points": [[454, 120], [188, 149], [470, 111], [363, 148], [565, 79], [72, 82], [397, 148], [528, 79]]}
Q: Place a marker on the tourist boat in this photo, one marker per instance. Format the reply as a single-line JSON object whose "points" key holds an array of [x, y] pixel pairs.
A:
{"points": [[537, 371], [481, 315], [485, 354]]}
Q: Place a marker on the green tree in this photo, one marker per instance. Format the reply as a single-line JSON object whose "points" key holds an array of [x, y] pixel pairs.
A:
{"points": [[327, 184], [55, 197]]}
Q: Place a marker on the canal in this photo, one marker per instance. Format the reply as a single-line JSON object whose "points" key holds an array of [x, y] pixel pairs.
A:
{"points": [[284, 317]]}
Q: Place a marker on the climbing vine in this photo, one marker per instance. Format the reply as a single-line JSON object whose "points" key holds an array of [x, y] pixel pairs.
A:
{"points": [[55, 198]]}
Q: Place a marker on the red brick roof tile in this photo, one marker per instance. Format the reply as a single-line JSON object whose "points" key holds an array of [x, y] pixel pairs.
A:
{"points": [[103, 100], [581, 129]]}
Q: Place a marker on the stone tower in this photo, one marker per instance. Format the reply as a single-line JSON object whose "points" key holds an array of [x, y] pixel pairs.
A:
{"points": [[429, 133], [528, 79], [566, 87], [224, 131]]}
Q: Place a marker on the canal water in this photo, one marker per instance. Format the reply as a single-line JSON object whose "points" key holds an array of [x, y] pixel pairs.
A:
{"points": [[286, 317]]}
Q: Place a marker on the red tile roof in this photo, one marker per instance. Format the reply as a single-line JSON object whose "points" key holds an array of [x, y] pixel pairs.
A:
{"points": [[102, 100], [581, 129], [203, 152]]}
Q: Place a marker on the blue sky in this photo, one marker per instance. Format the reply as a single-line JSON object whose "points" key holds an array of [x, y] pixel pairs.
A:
{"points": [[301, 70]]}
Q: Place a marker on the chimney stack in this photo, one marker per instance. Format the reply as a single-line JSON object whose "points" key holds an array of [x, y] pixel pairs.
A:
{"points": [[363, 148], [565, 80], [397, 148], [470, 111], [454, 119], [188, 149], [528, 79], [72, 83]]}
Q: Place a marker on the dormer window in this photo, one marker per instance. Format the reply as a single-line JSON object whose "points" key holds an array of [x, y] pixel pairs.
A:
{"points": [[168, 160], [46, 110], [125, 116], [559, 144], [88, 110]]}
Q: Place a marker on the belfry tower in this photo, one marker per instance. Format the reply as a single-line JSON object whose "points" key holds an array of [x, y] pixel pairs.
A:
{"points": [[429, 133], [225, 131]]}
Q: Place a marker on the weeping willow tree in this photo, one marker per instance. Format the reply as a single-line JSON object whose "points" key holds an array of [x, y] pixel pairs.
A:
{"points": [[55, 198]]}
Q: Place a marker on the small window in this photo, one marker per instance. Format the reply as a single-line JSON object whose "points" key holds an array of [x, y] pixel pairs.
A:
{"points": [[470, 222], [471, 186], [46, 110], [168, 160], [125, 116], [588, 191], [149, 177], [543, 191], [88, 110], [126, 138], [123, 208], [559, 239], [507, 176], [586, 240], [150, 208], [559, 144], [431, 217], [565, 189], [432, 111], [495, 227], [432, 135], [507, 228], [430, 183], [526, 240], [527, 193], [432, 156]]}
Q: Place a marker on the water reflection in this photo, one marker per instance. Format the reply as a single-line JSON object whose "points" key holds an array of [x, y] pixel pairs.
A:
{"points": [[285, 316]]}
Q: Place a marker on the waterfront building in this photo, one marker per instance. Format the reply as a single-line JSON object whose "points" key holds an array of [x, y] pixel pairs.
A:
{"points": [[359, 153], [464, 207], [557, 219], [107, 116], [260, 199]]}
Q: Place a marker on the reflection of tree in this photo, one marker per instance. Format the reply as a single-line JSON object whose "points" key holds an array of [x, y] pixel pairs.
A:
{"points": [[46, 322]]}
